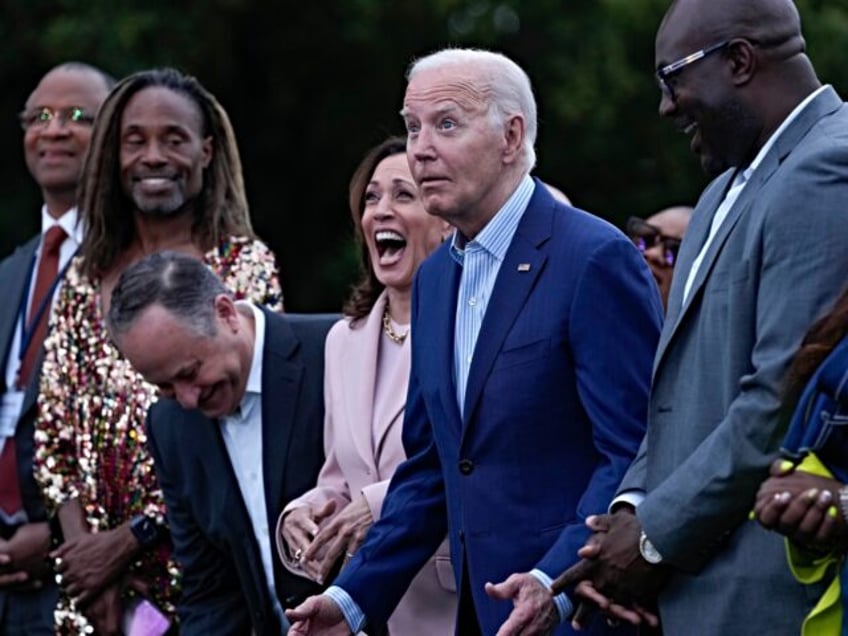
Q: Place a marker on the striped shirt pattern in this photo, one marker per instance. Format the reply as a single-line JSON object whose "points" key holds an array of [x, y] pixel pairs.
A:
{"points": [[481, 260]]}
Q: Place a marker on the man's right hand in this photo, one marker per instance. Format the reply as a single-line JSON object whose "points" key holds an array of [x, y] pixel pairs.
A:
{"points": [[317, 615]]}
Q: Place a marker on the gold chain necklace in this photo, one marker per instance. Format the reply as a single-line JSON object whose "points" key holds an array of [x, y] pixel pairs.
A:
{"points": [[397, 338]]}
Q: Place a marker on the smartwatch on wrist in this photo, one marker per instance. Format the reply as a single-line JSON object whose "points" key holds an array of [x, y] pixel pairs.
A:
{"points": [[145, 530]]}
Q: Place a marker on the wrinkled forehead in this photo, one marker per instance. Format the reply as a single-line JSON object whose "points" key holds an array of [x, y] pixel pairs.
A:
{"points": [[439, 88]]}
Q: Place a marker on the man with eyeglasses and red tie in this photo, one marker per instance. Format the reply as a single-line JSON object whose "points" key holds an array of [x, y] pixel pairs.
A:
{"points": [[764, 256], [57, 123], [658, 238]]}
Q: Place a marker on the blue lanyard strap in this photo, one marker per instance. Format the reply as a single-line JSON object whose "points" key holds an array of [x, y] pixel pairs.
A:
{"points": [[27, 333]]}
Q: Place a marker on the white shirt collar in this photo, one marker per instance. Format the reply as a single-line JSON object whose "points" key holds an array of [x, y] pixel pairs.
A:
{"points": [[69, 222], [776, 134], [254, 380]]}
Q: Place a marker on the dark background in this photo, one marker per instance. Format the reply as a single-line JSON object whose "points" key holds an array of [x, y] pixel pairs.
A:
{"points": [[310, 85]]}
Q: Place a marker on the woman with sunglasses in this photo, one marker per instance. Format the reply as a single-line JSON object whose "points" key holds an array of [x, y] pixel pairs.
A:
{"points": [[658, 238]]}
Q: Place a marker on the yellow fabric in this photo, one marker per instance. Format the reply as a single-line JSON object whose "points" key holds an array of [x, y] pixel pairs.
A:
{"points": [[825, 619]]}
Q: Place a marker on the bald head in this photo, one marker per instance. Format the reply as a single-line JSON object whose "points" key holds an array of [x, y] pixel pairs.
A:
{"points": [[769, 22]]}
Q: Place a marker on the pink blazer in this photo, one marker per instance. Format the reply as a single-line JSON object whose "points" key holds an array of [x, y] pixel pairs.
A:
{"points": [[351, 466]]}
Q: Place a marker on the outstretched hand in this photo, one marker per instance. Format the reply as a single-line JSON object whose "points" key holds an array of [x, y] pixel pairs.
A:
{"points": [[533, 612], [317, 615]]}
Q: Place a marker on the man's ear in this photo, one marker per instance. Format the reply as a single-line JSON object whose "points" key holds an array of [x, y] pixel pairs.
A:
{"points": [[743, 61], [226, 312], [513, 138]]}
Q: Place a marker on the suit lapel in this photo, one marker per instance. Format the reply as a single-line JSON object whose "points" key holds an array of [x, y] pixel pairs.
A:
{"points": [[281, 386], [393, 394], [360, 357], [824, 104], [512, 286], [435, 320], [12, 292]]}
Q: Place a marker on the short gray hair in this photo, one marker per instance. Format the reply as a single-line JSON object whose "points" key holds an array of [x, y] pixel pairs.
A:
{"points": [[180, 283], [505, 80]]}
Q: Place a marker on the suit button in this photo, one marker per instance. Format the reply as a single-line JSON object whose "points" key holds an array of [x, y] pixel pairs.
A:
{"points": [[466, 466]]}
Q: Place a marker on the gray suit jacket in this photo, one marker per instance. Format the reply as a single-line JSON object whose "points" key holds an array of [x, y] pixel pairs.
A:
{"points": [[777, 262]]}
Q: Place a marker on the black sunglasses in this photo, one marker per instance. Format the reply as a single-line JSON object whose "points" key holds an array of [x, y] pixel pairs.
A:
{"points": [[645, 236]]}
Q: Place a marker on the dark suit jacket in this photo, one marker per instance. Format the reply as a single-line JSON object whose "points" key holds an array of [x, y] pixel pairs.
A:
{"points": [[14, 274], [224, 585], [554, 411]]}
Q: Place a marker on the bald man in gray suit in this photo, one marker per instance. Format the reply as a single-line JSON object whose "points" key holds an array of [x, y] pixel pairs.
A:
{"points": [[764, 255]]}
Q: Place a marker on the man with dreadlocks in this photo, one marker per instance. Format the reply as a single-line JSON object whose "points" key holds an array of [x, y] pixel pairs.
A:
{"points": [[163, 172]]}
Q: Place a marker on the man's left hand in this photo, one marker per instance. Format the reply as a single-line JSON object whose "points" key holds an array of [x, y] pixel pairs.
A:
{"points": [[533, 612], [89, 562]]}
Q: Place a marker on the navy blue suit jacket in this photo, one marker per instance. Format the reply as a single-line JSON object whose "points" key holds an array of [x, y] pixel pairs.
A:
{"points": [[224, 586], [555, 411]]}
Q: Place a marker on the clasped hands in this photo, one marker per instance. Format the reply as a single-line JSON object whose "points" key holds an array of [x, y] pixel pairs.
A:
{"points": [[316, 544], [802, 506], [612, 576]]}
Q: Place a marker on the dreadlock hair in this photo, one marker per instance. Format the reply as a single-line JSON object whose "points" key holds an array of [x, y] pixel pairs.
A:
{"points": [[365, 292], [108, 213]]}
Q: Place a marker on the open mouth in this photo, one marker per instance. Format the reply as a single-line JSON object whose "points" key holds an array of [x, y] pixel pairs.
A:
{"points": [[390, 246]]}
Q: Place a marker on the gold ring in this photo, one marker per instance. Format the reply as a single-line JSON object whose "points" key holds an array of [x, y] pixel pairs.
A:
{"points": [[298, 554]]}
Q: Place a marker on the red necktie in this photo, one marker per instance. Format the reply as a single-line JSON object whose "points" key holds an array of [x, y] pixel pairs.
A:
{"points": [[48, 269]]}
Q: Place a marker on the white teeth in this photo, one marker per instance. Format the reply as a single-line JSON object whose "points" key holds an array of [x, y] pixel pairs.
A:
{"points": [[155, 180], [388, 235]]}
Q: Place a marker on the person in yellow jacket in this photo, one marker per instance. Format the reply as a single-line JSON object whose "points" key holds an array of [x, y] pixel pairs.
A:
{"points": [[805, 497]]}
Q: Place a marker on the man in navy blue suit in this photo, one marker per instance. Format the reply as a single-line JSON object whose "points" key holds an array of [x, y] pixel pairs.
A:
{"points": [[533, 335]]}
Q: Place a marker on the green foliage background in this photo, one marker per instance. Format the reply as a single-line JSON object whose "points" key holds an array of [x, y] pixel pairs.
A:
{"points": [[311, 85]]}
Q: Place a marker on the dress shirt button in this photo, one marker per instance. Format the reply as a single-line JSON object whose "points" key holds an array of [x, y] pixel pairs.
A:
{"points": [[472, 301], [466, 466]]}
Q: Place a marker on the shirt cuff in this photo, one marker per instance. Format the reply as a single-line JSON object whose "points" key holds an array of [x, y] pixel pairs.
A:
{"points": [[561, 601], [632, 497], [353, 615]]}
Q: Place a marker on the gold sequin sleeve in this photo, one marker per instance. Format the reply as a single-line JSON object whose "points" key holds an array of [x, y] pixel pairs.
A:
{"points": [[58, 454]]}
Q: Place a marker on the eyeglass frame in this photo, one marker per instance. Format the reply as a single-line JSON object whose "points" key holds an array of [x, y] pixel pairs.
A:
{"points": [[664, 72], [670, 244], [76, 115]]}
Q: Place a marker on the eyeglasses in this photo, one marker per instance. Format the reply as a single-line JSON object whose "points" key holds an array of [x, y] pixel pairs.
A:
{"points": [[41, 117], [645, 236], [665, 72]]}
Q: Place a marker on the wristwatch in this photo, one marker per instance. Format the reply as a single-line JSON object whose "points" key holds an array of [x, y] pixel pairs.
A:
{"points": [[145, 530], [648, 551]]}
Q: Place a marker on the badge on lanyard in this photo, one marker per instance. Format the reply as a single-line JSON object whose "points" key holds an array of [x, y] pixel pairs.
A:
{"points": [[10, 413]]}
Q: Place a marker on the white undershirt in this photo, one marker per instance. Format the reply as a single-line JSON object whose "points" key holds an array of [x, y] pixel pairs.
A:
{"points": [[242, 432]]}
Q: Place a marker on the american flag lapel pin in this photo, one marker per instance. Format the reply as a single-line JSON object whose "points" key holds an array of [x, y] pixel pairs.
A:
{"points": [[524, 267]]}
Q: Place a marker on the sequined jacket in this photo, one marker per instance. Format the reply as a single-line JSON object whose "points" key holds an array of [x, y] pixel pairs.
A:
{"points": [[90, 442]]}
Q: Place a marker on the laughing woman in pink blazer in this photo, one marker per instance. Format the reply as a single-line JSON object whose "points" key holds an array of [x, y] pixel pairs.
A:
{"points": [[367, 367]]}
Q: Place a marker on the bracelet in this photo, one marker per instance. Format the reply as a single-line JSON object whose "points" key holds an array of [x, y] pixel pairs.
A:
{"points": [[843, 502]]}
